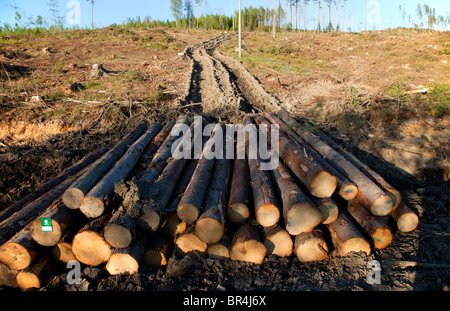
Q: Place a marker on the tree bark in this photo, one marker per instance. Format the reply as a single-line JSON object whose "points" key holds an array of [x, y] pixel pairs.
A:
{"points": [[89, 246], [73, 197], [278, 241], [97, 199], [346, 237], [48, 186], [310, 246], [266, 206], [347, 189], [372, 196], [190, 205], [36, 275], [299, 212], [406, 219], [120, 230], [238, 205], [246, 245], [380, 233]]}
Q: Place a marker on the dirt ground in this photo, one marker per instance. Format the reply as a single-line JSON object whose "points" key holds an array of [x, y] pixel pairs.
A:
{"points": [[343, 83]]}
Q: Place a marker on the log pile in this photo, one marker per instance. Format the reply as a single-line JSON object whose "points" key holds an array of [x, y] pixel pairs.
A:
{"points": [[135, 204]]}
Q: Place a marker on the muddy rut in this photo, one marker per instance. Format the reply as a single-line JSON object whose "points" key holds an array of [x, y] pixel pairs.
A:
{"points": [[221, 85]]}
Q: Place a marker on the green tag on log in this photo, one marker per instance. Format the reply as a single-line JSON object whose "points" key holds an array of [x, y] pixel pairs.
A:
{"points": [[46, 225]]}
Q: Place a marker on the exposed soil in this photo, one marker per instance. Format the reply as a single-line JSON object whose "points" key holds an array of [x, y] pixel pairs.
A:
{"points": [[218, 86]]}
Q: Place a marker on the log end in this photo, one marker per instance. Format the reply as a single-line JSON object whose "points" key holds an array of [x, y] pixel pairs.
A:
{"points": [[15, 256], [72, 198], [117, 236], [173, 224], [27, 280], [8, 276], [329, 211], [187, 213], [45, 238], [357, 244], [407, 222], [267, 215], [63, 252], [149, 219], [90, 248], [279, 243], [218, 252], [190, 244], [122, 263], [382, 237], [92, 207], [209, 230], [249, 251], [310, 247], [348, 192], [382, 206], [322, 184], [238, 212], [155, 258], [302, 217]]}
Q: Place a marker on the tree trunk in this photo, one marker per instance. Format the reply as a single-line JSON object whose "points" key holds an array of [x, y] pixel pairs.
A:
{"points": [[158, 250], [190, 205], [238, 205], [97, 199], [73, 197], [210, 227], [266, 206], [300, 214], [278, 241], [63, 252], [372, 196], [406, 219], [126, 260], [329, 209], [62, 219], [346, 237], [310, 246], [347, 189], [246, 245], [381, 234], [187, 243], [68, 173], [36, 275], [20, 251], [120, 230], [89, 246]]}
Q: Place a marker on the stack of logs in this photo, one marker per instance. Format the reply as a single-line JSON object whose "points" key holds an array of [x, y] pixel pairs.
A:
{"points": [[138, 204]]}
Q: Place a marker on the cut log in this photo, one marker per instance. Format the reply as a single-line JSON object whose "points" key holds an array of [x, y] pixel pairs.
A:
{"points": [[164, 152], [97, 199], [328, 208], [19, 251], [238, 205], [191, 203], [7, 276], [126, 260], [347, 189], [62, 219], [73, 197], [278, 241], [28, 213], [310, 246], [63, 252], [219, 250], [299, 212], [89, 246], [379, 232], [210, 227], [372, 196], [48, 186], [120, 230], [158, 250], [346, 237], [187, 243], [406, 219], [266, 207], [246, 245], [36, 275], [173, 225]]}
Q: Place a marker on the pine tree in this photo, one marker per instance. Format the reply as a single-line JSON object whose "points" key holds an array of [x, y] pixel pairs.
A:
{"points": [[176, 6]]}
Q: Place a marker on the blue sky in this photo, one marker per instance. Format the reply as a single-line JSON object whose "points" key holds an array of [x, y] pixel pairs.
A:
{"points": [[385, 13]]}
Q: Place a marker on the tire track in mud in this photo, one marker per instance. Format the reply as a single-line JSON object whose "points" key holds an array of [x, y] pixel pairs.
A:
{"points": [[220, 85]]}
